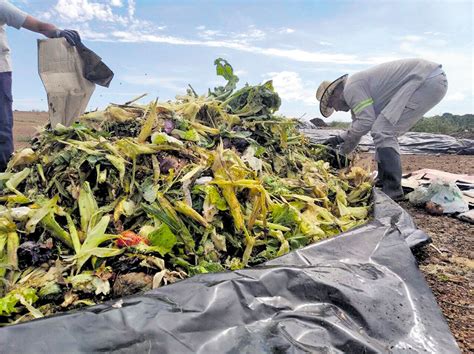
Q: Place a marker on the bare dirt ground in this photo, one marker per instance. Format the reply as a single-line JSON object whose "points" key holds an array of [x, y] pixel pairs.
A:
{"points": [[460, 164], [447, 263], [26, 125]]}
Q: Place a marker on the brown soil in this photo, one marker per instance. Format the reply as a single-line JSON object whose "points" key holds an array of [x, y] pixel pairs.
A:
{"points": [[26, 125], [461, 164], [447, 263]]}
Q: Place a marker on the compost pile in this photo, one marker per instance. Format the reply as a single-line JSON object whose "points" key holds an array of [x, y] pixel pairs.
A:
{"points": [[139, 196]]}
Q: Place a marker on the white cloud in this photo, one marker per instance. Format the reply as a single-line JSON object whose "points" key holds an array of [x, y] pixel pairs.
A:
{"points": [[117, 3], [241, 72], [209, 34], [85, 32], [432, 33], [251, 34], [286, 30], [291, 87], [411, 38], [311, 57], [83, 11], [456, 96], [131, 30], [292, 54], [324, 43], [131, 8]]}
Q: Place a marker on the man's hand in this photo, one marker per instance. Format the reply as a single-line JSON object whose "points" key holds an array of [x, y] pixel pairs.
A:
{"points": [[71, 36], [334, 141]]}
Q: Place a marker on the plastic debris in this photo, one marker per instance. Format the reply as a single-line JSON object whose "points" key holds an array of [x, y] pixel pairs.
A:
{"points": [[445, 195]]}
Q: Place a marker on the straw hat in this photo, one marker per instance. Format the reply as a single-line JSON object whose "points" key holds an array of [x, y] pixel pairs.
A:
{"points": [[325, 91]]}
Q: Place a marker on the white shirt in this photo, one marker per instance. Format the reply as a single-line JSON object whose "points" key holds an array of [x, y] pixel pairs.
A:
{"points": [[11, 16]]}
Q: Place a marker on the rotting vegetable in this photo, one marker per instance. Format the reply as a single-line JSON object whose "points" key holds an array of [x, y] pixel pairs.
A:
{"points": [[139, 196]]}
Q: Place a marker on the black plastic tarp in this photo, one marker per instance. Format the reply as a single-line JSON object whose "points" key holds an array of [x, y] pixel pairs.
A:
{"points": [[359, 292], [410, 143], [95, 70]]}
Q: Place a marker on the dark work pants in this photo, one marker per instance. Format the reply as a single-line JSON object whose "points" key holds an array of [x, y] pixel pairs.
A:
{"points": [[6, 119]]}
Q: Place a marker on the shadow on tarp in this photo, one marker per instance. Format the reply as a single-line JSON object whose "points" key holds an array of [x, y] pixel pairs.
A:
{"points": [[410, 143], [359, 292]]}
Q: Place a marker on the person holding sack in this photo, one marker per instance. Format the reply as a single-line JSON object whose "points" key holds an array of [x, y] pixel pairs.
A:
{"points": [[14, 17]]}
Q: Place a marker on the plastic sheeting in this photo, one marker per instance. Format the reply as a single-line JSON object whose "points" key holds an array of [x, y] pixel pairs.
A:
{"points": [[410, 143], [95, 70], [359, 292]]}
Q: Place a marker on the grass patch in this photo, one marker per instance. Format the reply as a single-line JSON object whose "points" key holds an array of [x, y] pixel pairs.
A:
{"points": [[449, 124], [446, 124], [339, 125]]}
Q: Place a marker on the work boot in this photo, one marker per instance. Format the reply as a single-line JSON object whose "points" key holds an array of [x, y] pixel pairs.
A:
{"points": [[392, 172], [379, 179]]}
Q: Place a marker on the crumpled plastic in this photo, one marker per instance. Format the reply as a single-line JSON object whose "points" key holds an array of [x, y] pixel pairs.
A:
{"points": [[95, 70], [359, 292], [410, 143], [447, 195]]}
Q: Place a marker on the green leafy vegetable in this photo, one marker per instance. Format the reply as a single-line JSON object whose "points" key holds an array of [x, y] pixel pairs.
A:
{"points": [[163, 239]]}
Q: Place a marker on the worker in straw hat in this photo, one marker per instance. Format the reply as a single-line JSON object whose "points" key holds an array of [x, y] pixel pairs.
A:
{"points": [[14, 17], [386, 100]]}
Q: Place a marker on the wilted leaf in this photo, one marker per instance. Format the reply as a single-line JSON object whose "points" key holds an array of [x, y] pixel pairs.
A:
{"points": [[15, 180], [23, 157], [47, 207], [185, 209], [94, 238], [87, 207], [148, 124]]}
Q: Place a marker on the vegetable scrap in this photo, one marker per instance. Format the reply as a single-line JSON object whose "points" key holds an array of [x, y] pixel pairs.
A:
{"points": [[136, 196]]}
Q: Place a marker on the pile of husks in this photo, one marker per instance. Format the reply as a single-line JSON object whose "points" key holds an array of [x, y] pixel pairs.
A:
{"points": [[139, 196]]}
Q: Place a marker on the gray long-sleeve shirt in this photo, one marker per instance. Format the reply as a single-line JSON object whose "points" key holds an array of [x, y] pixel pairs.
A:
{"points": [[382, 90], [11, 16]]}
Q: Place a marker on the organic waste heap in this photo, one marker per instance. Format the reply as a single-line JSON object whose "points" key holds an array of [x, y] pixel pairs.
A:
{"points": [[138, 196]]}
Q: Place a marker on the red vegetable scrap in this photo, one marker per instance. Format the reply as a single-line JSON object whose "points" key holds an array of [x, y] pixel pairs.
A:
{"points": [[129, 238]]}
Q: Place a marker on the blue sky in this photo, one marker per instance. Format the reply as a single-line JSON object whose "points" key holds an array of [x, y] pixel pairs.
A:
{"points": [[159, 47]]}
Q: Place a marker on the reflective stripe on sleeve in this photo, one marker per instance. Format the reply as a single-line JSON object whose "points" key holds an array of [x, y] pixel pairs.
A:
{"points": [[357, 109]]}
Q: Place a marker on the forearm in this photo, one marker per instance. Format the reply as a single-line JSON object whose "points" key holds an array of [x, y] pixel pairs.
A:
{"points": [[47, 29], [360, 126], [351, 141]]}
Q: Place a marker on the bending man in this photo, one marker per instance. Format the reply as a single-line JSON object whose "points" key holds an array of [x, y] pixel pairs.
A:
{"points": [[14, 17], [386, 100]]}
